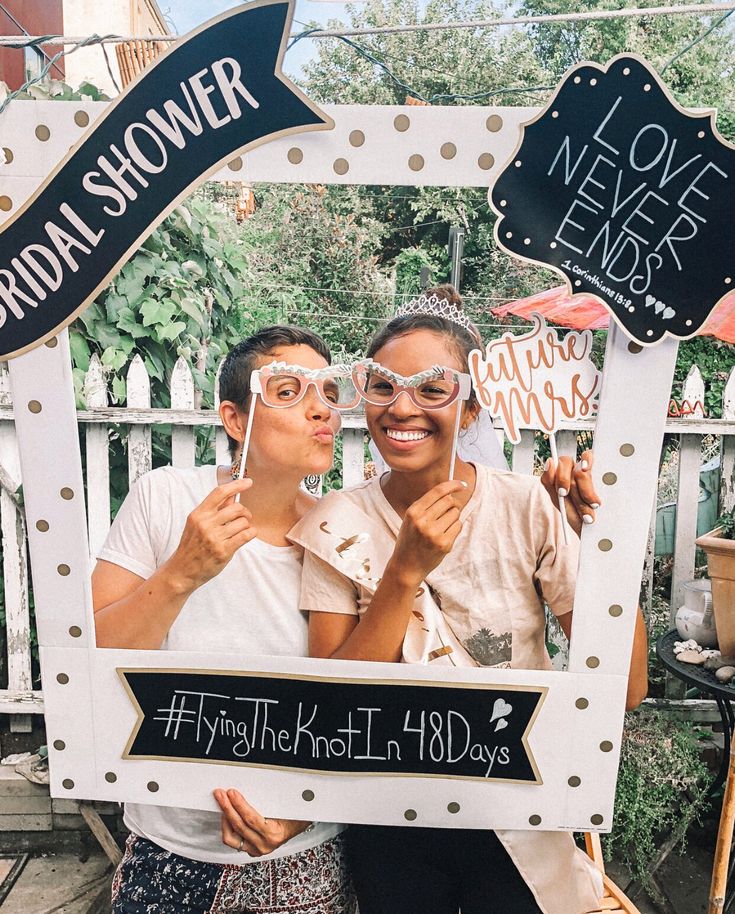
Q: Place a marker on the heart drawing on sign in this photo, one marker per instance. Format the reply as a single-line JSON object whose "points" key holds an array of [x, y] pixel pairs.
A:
{"points": [[650, 300], [501, 709], [668, 314], [500, 724]]}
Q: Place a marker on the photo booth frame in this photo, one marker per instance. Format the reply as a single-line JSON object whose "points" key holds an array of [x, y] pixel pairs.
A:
{"points": [[575, 738]]}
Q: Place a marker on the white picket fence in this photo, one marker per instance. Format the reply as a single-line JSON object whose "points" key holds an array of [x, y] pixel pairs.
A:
{"points": [[20, 699]]}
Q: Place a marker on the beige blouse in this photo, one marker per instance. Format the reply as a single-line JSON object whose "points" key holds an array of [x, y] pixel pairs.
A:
{"points": [[509, 558]]}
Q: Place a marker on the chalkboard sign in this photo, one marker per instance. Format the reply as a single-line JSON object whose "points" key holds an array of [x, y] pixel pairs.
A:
{"points": [[214, 94], [626, 194], [357, 727]]}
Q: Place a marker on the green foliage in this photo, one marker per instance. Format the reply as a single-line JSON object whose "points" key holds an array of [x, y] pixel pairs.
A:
{"points": [[715, 359], [701, 76], [661, 790], [726, 522], [174, 297], [311, 261]]}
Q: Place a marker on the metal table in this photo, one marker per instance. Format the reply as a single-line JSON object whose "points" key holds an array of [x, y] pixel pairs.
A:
{"points": [[720, 899]]}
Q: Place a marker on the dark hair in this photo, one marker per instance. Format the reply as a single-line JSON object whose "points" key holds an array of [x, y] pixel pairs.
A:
{"points": [[234, 378], [462, 341]]}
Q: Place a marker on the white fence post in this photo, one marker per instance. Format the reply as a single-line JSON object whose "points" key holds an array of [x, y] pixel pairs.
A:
{"points": [[98, 459], [183, 443], [15, 566], [222, 453], [353, 456], [727, 448], [523, 453], [687, 503], [138, 386]]}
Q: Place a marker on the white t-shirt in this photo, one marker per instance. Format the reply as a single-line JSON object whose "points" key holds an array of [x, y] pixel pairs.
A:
{"points": [[252, 607]]}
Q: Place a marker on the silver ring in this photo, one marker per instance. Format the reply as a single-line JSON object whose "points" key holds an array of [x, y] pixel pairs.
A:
{"points": [[239, 846]]}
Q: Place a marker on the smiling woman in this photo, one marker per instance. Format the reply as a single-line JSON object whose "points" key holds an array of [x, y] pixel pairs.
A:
{"points": [[452, 573]]}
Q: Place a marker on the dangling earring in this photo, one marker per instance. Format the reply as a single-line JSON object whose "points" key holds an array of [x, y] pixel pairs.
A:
{"points": [[235, 469]]}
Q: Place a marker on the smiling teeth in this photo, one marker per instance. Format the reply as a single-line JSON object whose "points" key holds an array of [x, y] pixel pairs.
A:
{"points": [[406, 436]]}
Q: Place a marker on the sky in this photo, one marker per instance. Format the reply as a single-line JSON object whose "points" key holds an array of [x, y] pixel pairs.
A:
{"points": [[185, 14]]}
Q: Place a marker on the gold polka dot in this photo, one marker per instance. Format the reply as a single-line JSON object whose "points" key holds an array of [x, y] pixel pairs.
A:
{"points": [[453, 808], [604, 545], [42, 133], [62, 678], [64, 570], [582, 704], [416, 162], [401, 123], [609, 478], [52, 343], [59, 745], [534, 820], [410, 814], [67, 784], [66, 493], [34, 406], [593, 662], [42, 526], [6, 204], [341, 166], [81, 118], [357, 138], [574, 781], [295, 156], [152, 786], [75, 631], [8, 153], [307, 795], [110, 777], [494, 123], [597, 819], [486, 161], [606, 746], [448, 151], [627, 450], [635, 348], [616, 610], [235, 164]]}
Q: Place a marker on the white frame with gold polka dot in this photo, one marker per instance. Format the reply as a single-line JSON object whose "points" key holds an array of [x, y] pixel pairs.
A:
{"points": [[576, 737]]}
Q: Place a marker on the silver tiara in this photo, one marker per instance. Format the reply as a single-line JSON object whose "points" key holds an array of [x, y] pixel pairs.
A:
{"points": [[434, 306]]}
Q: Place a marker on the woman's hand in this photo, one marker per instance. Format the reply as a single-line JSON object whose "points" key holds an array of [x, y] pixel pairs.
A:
{"points": [[430, 527], [574, 481], [246, 830], [214, 531]]}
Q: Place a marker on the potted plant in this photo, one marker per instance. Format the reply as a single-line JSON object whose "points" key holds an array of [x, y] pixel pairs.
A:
{"points": [[719, 544]]}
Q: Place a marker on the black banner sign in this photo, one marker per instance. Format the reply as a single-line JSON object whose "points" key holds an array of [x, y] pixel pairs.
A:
{"points": [[339, 726], [628, 196], [214, 94]]}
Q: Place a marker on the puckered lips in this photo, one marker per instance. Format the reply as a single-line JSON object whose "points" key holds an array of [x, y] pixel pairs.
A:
{"points": [[323, 434]]}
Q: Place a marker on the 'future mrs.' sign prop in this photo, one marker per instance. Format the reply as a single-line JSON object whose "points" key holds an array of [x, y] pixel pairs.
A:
{"points": [[626, 194], [536, 379], [214, 94]]}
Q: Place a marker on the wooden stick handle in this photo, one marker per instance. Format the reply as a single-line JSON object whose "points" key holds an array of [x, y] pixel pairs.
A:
{"points": [[718, 887]]}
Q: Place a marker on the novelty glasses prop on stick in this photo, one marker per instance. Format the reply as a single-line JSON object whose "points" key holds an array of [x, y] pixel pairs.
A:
{"points": [[435, 388], [280, 385]]}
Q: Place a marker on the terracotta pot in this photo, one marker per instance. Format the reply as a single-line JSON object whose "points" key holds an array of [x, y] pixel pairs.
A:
{"points": [[721, 568]]}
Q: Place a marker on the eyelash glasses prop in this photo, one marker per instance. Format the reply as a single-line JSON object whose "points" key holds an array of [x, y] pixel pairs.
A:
{"points": [[435, 388], [280, 385]]}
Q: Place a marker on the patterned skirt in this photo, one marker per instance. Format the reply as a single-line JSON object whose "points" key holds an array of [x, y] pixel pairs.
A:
{"points": [[151, 880]]}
